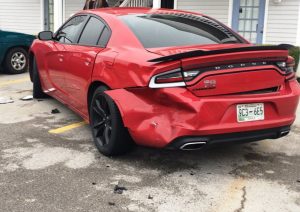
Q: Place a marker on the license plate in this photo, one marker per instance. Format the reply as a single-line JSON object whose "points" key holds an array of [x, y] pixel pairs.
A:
{"points": [[250, 112]]}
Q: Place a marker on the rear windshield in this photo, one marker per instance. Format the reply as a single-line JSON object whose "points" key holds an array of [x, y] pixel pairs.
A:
{"points": [[165, 30]]}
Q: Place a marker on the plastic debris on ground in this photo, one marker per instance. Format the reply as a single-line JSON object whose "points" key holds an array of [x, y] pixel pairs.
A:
{"points": [[6, 100], [27, 98]]}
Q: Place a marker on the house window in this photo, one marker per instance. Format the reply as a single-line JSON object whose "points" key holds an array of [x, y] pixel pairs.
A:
{"points": [[248, 19]]}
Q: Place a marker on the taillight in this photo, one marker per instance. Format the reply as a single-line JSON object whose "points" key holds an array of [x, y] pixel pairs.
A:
{"points": [[190, 75], [288, 67], [174, 78], [169, 78]]}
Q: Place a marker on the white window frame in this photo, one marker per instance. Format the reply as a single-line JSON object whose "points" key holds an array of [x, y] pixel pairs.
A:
{"points": [[298, 30], [157, 4], [175, 4], [230, 11], [59, 13]]}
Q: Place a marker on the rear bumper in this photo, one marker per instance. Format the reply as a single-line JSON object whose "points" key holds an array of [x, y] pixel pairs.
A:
{"points": [[230, 138], [158, 117]]}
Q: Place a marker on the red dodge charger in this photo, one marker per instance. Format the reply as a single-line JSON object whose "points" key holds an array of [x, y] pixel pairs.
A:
{"points": [[165, 79]]}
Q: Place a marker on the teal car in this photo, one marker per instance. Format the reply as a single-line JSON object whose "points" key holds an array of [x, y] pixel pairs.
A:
{"points": [[14, 51]]}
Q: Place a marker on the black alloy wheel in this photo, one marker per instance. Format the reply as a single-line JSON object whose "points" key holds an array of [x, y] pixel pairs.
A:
{"points": [[102, 125], [109, 134]]}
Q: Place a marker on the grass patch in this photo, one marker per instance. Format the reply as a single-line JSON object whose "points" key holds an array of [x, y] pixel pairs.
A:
{"points": [[295, 53]]}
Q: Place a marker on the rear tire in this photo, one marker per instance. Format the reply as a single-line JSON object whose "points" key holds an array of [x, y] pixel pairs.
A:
{"points": [[37, 87], [16, 61], [109, 134]]}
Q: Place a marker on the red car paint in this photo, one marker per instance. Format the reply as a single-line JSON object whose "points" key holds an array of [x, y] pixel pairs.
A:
{"points": [[155, 117]]}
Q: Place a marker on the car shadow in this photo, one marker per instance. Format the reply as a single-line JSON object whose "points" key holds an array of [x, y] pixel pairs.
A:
{"points": [[169, 161]]}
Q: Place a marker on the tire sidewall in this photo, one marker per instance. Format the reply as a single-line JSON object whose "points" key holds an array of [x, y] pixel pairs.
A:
{"points": [[106, 149]]}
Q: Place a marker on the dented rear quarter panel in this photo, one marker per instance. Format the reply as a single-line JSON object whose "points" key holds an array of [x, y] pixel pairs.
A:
{"points": [[155, 117]]}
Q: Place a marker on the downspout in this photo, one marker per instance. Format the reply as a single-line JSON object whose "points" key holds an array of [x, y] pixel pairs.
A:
{"points": [[42, 2]]}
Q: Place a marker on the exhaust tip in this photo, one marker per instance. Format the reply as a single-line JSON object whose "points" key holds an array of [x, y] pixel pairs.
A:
{"points": [[284, 133], [193, 146]]}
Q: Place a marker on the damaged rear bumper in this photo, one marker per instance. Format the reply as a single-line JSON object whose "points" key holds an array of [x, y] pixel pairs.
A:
{"points": [[161, 117], [200, 142]]}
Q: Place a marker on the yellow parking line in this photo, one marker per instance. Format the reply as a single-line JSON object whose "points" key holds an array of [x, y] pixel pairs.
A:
{"points": [[67, 128], [9, 82]]}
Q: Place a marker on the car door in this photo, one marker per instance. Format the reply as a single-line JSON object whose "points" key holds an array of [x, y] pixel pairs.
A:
{"points": [[58, 58], [81, 61]]}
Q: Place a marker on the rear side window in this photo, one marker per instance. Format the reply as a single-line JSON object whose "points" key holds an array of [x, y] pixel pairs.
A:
{"points": [[92, 32], [165, 30], [104, 37]]}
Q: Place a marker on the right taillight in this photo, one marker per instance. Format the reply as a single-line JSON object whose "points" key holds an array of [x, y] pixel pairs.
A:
{"points": [[190, 75], [287, 66]]}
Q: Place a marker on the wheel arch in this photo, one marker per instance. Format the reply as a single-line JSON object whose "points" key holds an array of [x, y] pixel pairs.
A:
{"points": [[93, 86], [26, 48]]}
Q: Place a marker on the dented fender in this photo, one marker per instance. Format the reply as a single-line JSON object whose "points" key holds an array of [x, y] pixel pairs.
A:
{"points": [[154, 117]]}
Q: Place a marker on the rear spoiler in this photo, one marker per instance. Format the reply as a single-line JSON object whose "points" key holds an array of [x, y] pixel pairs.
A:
{"points": [[198, 53]]}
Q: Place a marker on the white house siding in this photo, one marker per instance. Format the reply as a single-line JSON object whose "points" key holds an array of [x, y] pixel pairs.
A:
{"points": [[282, 22], [72, 7], [217, 9], [21, 16]]}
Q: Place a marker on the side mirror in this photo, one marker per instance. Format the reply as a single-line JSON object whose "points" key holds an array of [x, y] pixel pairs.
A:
{"points": [[45, 35]]}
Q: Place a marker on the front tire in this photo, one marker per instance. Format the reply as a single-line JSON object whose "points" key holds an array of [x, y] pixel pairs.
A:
{"points": [[37, 91], [16, 61], [109, 134]]}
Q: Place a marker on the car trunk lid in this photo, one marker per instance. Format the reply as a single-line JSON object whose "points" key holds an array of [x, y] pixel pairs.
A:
{"points": [[229, 68]]}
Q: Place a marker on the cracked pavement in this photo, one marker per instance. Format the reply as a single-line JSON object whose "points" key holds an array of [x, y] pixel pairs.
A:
{"points": [[40, 171]]}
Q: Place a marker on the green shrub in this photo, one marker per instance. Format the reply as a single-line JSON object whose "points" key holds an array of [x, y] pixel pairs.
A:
{"points": [[295, 53]]}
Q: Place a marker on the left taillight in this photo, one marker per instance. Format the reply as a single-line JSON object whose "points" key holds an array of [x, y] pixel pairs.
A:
{"points": [[167, 79], [174, 78]]}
